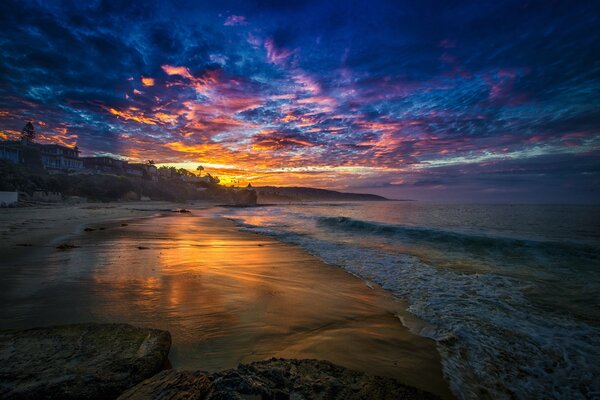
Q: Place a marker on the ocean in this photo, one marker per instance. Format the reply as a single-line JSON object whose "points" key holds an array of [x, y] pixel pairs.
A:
{"points": [[510, 293]]}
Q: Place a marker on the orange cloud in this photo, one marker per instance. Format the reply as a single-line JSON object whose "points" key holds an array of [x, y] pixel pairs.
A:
{"points": [[9, 134], [147, 81], [181, 71], [166, 118], [129, 115]]}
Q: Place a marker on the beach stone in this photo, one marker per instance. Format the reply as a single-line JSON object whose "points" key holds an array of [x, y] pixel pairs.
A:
{"points": [[274, 379], [91, 361], [172, 385]]}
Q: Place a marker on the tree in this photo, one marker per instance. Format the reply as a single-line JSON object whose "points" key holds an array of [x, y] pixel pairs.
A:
{"points": [[200, 168], [28, 133], [213, 179], [184, 172], [150, 162]]}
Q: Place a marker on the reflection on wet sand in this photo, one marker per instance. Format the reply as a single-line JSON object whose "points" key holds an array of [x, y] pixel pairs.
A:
{"points": [[226, 297]]}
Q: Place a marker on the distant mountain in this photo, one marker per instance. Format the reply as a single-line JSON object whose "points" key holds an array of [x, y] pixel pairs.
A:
{"points": [[295, 193]]}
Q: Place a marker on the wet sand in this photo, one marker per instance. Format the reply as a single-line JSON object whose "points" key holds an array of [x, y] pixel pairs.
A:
{"points": [[226, 296], [27, 229]]}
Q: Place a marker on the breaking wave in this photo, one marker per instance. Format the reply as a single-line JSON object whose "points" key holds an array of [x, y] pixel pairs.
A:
{"points": [[494, 342], [466, 240]]}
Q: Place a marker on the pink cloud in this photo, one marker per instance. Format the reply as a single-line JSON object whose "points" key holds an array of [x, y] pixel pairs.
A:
{"points": [[235, 20], [276, 55], [253, 40], [307, 83]]}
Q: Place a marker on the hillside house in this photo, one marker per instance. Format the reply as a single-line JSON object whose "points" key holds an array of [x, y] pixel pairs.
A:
{"points": [[58, 157], [10, 153], [106, 165], [53, 157], [147, 171]]}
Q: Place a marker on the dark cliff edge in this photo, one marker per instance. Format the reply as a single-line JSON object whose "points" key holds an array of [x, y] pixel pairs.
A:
{"points": [[297, 193]]}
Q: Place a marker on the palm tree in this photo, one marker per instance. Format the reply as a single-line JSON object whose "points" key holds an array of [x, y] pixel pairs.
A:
{"points": [[200, 168]]}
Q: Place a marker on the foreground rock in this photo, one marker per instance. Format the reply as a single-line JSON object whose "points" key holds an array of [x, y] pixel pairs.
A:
{"points": [[273, 379], [91, 361]]}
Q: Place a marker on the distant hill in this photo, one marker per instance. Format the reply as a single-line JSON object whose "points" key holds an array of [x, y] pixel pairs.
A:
{"points": [[295, 193]]}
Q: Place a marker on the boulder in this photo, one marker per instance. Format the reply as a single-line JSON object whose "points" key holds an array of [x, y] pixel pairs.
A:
{"points": [[274, 379], [173, 385], [91, 361]]}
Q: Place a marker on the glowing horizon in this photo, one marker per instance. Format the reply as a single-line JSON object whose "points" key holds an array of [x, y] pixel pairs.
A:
{"points": [[310, 95]]}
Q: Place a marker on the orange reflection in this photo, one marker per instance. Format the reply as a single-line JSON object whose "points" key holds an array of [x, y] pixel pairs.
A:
{"points": [[229, 297]]}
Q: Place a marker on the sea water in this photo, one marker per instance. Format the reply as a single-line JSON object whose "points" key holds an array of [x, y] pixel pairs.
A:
{"points": [[510, 293]]}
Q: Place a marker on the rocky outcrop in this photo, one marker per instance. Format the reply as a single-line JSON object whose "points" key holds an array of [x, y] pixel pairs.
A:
{"points": [[84, 361], [104, 361], [246, 197], [273, 379], [173, 385], [237, 197]]}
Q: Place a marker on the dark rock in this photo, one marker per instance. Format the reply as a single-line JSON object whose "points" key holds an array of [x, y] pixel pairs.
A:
{"points": [[307, 379], [89, 229], [274, 379], [84, 361], [172, 385], [245, 197], [66, 246], [237, 198]]}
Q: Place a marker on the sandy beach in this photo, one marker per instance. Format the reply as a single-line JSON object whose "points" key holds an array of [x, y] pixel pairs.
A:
{"points": [[27, 229], [226, 296]]}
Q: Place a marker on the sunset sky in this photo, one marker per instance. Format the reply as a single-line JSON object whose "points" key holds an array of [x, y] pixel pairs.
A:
{"points": [[437, 100]]}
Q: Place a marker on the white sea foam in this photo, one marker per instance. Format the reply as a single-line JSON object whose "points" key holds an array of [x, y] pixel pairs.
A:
{"points": [[494, 342]]}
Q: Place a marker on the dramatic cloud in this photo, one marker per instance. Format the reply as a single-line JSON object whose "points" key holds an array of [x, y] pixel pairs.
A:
{"points": [[409, 99], [235, 20]]}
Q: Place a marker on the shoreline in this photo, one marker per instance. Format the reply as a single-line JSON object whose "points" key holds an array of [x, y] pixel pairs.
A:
{"points": [[227, 296], [32, 227]]}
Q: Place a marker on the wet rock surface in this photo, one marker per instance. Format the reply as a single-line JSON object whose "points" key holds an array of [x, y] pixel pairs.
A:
{"points": [[91, 361], [66, 246], [273, 379], [106, 361], [173, 385]]}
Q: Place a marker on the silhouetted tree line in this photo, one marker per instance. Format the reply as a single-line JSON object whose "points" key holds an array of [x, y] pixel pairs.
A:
{"points": [[104, 187]]}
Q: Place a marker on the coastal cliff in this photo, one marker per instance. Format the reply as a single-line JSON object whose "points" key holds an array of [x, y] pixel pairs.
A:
{"points": [[298, 193]]}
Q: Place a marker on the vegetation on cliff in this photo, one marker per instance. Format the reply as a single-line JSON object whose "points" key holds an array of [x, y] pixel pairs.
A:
{"points": [[107, 187]]}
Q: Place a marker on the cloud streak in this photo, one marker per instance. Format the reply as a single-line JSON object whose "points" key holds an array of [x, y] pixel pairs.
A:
{"points": [[397, 99]]}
